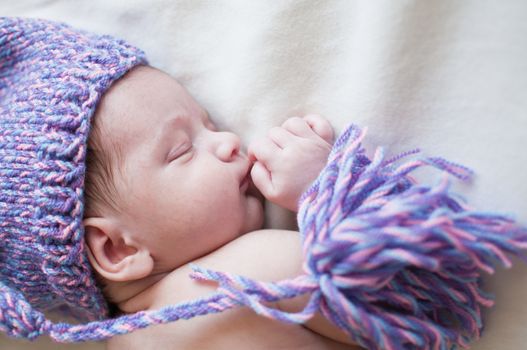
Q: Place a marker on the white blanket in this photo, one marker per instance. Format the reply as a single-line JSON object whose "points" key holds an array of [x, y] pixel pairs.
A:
{"points": [[449, 77]]}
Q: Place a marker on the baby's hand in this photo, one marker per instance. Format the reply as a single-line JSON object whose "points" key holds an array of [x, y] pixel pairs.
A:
{"points": [[290, 158]]}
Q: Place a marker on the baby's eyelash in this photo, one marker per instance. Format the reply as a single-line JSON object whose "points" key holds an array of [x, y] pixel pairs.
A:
{"points": [[178, 153]]}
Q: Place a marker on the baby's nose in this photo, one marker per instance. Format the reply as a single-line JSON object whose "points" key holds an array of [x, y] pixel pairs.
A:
{"points": [[228, 146]]}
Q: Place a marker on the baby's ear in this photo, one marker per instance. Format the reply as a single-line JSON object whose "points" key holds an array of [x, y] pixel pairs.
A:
{"points": [[113, 253]]}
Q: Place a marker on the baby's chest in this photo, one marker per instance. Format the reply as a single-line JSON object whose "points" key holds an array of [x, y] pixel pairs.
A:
{"points": [[231, 330]]}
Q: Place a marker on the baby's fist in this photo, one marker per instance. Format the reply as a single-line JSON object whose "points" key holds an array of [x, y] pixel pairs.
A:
{"points": [[290, 158]]}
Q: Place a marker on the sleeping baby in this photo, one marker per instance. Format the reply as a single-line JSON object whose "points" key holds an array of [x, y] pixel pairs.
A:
{"points": [[180, 191], [114, 179], [115, 182]]}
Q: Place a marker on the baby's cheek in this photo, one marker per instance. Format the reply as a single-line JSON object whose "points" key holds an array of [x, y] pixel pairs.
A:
{"points": [[218, 201]]}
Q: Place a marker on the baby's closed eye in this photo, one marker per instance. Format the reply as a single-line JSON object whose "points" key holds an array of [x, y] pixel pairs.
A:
{"points": [[179, 151]]}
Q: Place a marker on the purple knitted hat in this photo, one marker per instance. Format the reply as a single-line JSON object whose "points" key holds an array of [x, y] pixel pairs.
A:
{"points": [[393, 263], [51, 78]]}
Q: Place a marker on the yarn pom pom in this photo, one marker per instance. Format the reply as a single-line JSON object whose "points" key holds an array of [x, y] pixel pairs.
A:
{"points": [[400, 262]]}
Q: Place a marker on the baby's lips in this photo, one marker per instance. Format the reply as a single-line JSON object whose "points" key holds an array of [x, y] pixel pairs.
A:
{"points": [[251, 156]]}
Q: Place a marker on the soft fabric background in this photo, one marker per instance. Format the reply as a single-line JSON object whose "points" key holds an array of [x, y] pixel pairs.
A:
{"points": [[447, 76]]}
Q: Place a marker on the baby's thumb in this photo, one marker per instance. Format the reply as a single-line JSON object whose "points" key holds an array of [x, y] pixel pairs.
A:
{"points": [[262, 179], [321, 127]]}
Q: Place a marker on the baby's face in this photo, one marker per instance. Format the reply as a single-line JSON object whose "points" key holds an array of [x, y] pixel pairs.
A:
{"points": [[183, 183]]}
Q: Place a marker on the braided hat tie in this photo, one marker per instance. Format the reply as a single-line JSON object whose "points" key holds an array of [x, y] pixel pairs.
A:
{"points": [[394, 263]]}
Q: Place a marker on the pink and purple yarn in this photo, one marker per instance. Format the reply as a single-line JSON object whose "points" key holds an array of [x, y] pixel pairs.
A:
{"points": [[394, 263]]}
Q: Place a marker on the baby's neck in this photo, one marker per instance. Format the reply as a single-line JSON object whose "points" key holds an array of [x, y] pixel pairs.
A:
{"points": [[170, 288], [128, 295]]}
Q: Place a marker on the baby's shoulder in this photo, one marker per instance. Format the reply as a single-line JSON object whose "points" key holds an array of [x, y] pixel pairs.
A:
{"points": [[266, 255]]}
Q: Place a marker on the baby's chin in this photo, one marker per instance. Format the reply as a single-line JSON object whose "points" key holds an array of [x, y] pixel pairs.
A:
{"points": [[254, 218]]}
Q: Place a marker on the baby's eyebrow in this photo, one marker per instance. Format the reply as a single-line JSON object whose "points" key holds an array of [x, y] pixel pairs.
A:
{"points": [[169, 127]]}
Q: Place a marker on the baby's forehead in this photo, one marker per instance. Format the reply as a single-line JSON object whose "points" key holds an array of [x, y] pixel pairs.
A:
{"points": [[137, 106], [144, 89], [143, 98]]}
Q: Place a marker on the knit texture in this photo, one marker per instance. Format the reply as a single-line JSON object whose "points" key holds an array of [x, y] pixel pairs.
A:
{"points": [[393, 263], [51, 78]]}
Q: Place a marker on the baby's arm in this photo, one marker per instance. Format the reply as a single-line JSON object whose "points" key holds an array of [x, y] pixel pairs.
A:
{"points": [[287, 161], [290, 158], [279, 258]]}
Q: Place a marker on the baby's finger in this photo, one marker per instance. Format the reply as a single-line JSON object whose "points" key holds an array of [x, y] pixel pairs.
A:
{"points": [[263, 150], [320, 126], [298, 126], [262, 179], [280, 136]]}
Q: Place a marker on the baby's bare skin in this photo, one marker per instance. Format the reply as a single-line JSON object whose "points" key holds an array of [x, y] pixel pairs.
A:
{"points": [[279, 257]]}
